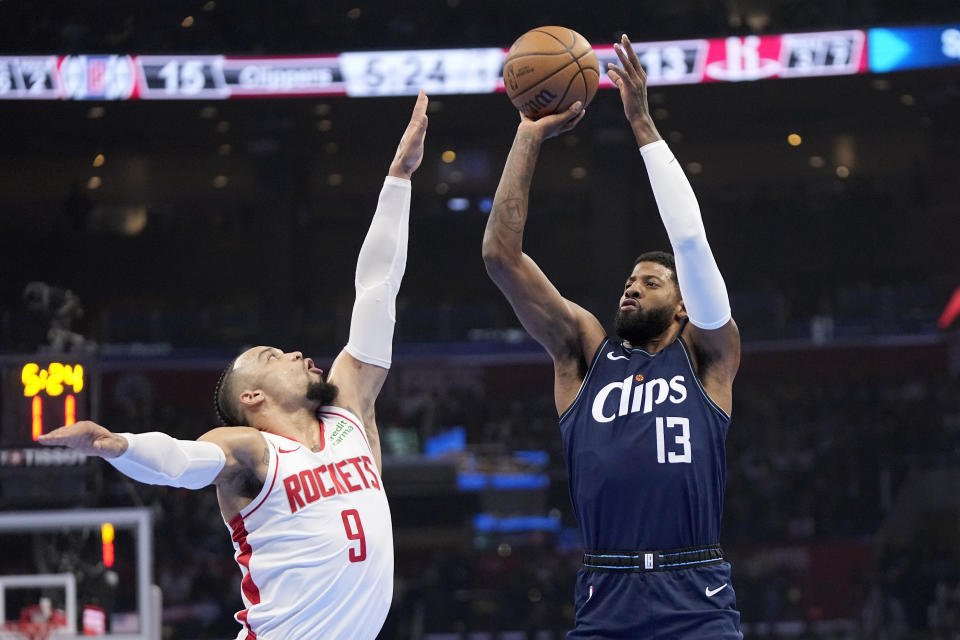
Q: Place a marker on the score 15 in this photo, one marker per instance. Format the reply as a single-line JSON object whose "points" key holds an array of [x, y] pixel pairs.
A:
{"points": [[56, 380], [178, 77]]}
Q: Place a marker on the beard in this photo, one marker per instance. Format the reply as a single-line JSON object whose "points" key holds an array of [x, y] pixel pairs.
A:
{"points": [[640, 326], [322, 392]]}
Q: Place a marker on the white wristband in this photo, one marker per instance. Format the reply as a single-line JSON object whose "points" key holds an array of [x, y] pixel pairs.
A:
{"points": [[156, 458], [701, 285], [380, 267]]}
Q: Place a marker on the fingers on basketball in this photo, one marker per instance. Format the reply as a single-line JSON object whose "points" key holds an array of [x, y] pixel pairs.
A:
{"points": [[574, 121], [570, 113], [557, 123], [549, 68]]}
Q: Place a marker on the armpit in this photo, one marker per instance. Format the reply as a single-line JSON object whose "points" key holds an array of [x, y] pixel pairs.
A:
{"points": [[243, 482]]}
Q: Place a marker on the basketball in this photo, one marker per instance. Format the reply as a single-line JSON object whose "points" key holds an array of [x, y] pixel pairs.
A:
{"points": [[549, 68]]}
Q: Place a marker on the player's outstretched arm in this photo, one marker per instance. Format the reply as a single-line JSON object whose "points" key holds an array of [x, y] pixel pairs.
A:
{"points": [[567, 331], [156, 458], [361, 368], [89, 438], [711, 330]]}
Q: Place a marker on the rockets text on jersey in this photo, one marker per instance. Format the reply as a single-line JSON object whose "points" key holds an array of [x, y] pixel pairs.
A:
{"points": [[315, 547]]}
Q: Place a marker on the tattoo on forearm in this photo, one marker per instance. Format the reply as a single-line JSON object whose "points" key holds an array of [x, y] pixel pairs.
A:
{"points": [[511, 213], [510, 203], [530, 143]]}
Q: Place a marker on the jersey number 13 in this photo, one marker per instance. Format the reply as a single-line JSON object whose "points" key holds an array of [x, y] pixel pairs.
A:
{"points": [[680, 447]]}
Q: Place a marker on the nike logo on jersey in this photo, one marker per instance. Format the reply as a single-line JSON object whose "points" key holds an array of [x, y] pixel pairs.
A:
{"points": [[289, 451], [712, 592], [610, 356]]}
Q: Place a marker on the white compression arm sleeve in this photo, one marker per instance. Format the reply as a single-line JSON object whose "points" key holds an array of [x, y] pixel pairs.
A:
{"points": [[380, 267], [156, 458], [701, 285]]}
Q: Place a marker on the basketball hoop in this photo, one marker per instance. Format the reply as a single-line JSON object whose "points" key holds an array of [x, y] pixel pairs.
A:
{"points": [[29, 630]]}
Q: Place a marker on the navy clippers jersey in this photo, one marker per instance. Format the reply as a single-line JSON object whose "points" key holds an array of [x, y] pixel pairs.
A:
{"points": [[645, 454]]}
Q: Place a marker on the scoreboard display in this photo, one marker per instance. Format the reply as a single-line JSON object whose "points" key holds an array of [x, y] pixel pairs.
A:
{"points": [[37, 395], [40, 395], [464, 71]]}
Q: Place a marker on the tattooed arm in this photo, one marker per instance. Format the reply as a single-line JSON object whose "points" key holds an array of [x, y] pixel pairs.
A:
{"points": [[235, 459], [569, 333], [247, 462]]}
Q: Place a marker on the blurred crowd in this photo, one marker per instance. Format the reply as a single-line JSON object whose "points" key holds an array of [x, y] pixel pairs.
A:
{"points": [[813, 285]]}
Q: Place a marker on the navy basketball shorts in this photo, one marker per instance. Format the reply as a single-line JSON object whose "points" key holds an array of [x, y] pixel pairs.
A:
{"points": [[685, 604]]}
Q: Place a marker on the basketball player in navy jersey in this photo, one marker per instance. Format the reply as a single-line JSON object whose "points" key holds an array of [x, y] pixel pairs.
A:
{"points": [[643, 417]]}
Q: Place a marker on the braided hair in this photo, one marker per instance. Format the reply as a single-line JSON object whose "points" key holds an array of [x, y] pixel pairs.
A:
{"points": [[228, 414]]}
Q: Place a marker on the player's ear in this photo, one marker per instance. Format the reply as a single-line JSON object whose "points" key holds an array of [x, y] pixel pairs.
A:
{"points": [[250, 398], [681, 311]]}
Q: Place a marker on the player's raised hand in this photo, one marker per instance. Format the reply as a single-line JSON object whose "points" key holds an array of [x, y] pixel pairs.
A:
{"points": [[86, 437], [631, 80], [410, 151], [555, 123]]}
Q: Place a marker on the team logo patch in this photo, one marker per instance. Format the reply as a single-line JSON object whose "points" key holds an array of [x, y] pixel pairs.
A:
{"points": [[340, 431]]}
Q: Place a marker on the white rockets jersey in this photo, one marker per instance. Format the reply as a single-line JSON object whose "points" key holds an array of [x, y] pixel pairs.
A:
{"points": [[315, 547]]}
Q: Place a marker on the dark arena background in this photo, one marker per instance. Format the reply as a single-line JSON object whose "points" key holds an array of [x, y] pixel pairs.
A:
{"points": [[181, 180]]}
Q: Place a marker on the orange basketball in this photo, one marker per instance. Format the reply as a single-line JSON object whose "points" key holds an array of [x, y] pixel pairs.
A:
{"points": [[549, 68]]}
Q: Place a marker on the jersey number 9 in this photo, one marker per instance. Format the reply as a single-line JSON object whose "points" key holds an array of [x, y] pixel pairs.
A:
{"points": [[354, 529]]}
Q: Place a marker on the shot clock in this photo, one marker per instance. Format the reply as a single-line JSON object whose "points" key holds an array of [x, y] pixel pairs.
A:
{"points": [[37, 395], [40, 395], [56, 382]]}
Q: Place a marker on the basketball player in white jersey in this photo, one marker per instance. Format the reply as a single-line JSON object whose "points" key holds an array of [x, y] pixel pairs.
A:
{"points": [[300, 487]]}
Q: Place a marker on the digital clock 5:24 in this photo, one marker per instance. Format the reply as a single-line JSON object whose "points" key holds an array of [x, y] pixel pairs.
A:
{"points": [[52, 382]]}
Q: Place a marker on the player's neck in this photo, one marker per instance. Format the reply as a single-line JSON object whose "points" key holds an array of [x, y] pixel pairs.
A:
{"points": [[302, 426], [659, 343]]}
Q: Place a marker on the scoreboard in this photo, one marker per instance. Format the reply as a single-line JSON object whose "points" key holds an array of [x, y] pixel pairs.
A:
{"points": [[39, 395], [464, 71]]}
